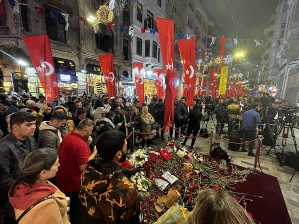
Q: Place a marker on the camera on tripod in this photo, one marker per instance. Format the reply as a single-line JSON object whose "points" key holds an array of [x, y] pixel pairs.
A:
{"points": [[286, 112]]}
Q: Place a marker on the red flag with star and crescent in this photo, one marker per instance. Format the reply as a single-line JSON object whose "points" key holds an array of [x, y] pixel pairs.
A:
{"points": [[187, 52], [166, 36], [107, 65], [40, 53], [139, 80], [159, 83]]}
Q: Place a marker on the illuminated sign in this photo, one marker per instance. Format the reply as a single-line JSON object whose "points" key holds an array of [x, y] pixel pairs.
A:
{"points": [[65, 78]]}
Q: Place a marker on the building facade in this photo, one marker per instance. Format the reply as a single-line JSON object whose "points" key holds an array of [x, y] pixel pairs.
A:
{"points": [[280, 62], [145, 40], [190, 19], [75, 45]]}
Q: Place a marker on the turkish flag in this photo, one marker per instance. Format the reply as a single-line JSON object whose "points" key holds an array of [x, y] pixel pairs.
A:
{"points": [[40, 53], [166, 36], [39, 10], [202, 88], [139, 80], [159, 83], [187, 52], [213, 83], [107, 65]]}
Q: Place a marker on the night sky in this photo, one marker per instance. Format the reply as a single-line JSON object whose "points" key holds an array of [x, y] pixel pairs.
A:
{"points": [[251, 16]]}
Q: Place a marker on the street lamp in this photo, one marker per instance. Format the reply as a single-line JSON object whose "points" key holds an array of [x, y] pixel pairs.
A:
{"points": [[239, 54]]}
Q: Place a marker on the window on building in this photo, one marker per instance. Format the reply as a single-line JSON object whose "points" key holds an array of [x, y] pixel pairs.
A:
{"points": [[126, 17], [149, 21], [155, 48], [147, 48], [139, 46], [159, 3], [104, 39], [159, 56], [24, 11], [126, 49], [55, 24], [283, 27], [139, 12]]}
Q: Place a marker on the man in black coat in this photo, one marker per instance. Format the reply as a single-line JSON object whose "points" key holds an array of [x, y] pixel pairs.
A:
{"points": [[179, 113], [122, 117], [14, 148], [159, 114], [220, 113]]}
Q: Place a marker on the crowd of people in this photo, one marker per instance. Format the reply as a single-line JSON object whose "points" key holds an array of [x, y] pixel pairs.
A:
{"points": [[73, 148]]}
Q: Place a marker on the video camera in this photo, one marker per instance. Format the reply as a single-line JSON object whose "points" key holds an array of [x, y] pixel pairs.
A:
{"points": [[286, 112]]}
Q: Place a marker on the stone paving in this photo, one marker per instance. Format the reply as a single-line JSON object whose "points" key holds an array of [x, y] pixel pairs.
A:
{"points": [[269, 165]]}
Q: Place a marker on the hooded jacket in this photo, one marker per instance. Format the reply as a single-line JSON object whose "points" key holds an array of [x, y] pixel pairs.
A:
{"points": [[49, 136], [107, 196], [22, 196]]}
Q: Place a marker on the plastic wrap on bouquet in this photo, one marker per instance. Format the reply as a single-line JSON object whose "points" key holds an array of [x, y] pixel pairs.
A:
{"points": [[173, 215]]}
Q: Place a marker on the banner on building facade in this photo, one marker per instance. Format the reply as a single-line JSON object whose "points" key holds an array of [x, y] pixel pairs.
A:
{"points": [[107, 65], [223, 80], [138, 72], [187, 52], [159, 83], [166, 37], [40, 53]]}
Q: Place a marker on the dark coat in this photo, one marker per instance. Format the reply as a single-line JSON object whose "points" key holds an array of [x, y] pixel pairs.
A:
{"points": [[120, 118], [159, 109], [219, 111], [3, 124], [194, 117], [12, 155], [179, 113]]}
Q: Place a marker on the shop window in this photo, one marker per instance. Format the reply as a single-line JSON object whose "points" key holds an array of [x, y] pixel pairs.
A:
{"points": [[159, 3], [104, 39], [155, 48], [147, 48], [126, 17], [126, 49], [159, 55], [139, 46], [55, 25], [139, 12], [125, 74], [64, 66], [24, 15]]}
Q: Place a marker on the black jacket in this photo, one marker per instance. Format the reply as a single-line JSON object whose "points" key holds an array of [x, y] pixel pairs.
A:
{"points": [[120, 118], [12, 155], [151, 110], [179, 113], [219, 111], [194, 117], [159, 109]]}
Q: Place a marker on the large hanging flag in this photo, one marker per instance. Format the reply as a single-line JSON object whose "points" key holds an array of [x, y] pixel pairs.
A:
{"points": [[187, 52], [223, 80], [213, 83], [107, 65], [159, 83], [139, 80], [40, 53], [166, 36]]}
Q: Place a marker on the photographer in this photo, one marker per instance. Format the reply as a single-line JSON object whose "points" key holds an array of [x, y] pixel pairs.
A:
{"points": [[272, 113]]}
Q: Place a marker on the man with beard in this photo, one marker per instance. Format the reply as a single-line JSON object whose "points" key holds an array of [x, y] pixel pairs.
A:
{"points": [[73, 154], [106, 194]]}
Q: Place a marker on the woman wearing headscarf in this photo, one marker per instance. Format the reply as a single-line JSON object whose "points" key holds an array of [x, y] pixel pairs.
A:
{"points": [[34, 199], [146, 120]]}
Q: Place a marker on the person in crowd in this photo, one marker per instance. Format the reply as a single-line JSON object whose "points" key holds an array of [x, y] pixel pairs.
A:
{"points": [[78, 104], [55, 102], [233, 112], [123, 118], [45, 112], [250, 119], [151, 107], [146, 120], [184, 120], [137, 106], [159, 114], [99, 109], [24, 98], [179, 114], [15, 101], [219, 111], [71, 105], [34, 189], [102, 125], [133, 121], [41, 101], [272, 113], [100, 200], [217, 207], [14, 148], [50, 135], [30, 104], [81, 114], [194, 118], [73, 154], [6, 108], [70, 125]]}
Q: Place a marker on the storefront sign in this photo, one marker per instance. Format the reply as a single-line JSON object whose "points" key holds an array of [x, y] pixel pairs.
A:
{"points": [[128, 79], [93, 69], [150, 76], [65, 78]]}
